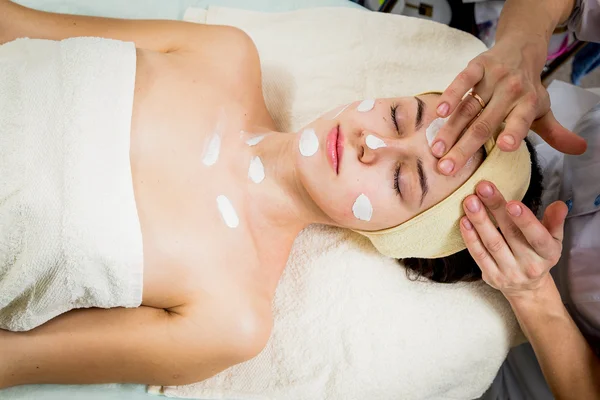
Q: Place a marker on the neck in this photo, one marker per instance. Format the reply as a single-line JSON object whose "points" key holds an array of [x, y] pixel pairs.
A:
{"points": [[280, 203]]}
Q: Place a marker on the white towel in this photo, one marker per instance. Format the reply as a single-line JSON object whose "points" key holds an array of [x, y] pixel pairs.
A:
{"points": [[348, 323], [69, 232]]}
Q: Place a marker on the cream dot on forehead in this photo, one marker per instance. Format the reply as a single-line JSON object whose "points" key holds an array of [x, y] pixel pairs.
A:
{"points": [[366, 105], [309, 142], [362, 208], [374, 143], [433, 129]]}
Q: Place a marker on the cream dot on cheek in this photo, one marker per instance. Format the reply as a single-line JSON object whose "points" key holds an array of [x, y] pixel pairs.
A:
{"points": [[309, 143], [374, 143], [362, 208], [366, 105]]}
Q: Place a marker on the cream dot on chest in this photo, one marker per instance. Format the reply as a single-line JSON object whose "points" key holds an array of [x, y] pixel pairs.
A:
{"points": [[227, 212], [256, 171], [211, 150]]}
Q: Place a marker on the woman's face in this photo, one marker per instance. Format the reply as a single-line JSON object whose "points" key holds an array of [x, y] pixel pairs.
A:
{"points": [[372, 167]]}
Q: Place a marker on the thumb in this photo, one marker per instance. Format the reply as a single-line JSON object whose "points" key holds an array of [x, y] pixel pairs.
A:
{"points": [[554, 219], [557, 135]]}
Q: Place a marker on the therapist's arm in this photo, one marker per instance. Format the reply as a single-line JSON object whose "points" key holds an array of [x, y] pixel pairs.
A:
{"points": [[517, 262], [507, 77], [570, 367]]}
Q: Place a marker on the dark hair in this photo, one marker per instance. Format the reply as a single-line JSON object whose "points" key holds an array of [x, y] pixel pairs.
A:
{"points": [[461, 266]]}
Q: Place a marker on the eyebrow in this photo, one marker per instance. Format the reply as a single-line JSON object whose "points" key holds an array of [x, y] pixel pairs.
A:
{"points": [[420, 112], [422, 179]]}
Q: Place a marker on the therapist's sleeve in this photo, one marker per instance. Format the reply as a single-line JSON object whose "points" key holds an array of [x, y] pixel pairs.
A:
{"points": [[585, 20]]}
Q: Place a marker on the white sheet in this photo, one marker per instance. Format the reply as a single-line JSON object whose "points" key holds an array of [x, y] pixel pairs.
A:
{"points": [[348, 323]]}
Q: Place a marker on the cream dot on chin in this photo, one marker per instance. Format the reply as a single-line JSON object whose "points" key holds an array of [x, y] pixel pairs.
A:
{"points": [[366, 105], [309, 142], [362, 208]]}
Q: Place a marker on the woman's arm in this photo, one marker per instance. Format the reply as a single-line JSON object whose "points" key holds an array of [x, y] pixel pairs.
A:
{"points": [[517, 262], [140, 345], [161, 35]]}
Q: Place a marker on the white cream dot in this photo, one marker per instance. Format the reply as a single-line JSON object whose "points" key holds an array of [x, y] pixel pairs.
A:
{"points": [[256, 172], [366, 105], [309, 142], [227, 212], [374, 143], [433, 129], [362, 208], [211, 152], [255, 140]]}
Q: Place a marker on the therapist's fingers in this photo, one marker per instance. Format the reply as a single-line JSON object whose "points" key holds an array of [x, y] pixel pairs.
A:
{"points": [[487, 264], [449, 134], [493, 200], [536, 233], [464, 81], [518, 123], [558, 136], [474, 137], [490, 237]]}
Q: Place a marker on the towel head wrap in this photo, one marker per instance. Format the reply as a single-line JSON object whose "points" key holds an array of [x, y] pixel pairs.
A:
{"points": [[435, 233]]}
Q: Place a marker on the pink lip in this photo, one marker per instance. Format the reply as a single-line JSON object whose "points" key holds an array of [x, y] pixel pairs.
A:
{"points": [[334, 148]]}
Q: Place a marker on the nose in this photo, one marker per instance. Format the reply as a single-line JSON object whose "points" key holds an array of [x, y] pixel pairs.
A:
{"points": [[375, 147]]}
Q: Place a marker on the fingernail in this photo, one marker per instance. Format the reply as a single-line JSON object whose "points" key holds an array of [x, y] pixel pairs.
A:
{"points": [[508, 139], [473, 205], [486, 190], [514, 210], [467, 224], [442, 109], [446, 166], [438, 149]]}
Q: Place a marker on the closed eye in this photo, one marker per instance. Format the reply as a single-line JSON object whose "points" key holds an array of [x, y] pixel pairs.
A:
{"points": [[393, 109]]}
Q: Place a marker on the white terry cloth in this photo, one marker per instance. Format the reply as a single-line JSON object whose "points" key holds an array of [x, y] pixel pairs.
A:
{"points": [[69, 231], [348, 322]]}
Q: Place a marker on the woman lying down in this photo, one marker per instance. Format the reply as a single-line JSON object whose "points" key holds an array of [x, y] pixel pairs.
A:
{"points": [[148, 206]]}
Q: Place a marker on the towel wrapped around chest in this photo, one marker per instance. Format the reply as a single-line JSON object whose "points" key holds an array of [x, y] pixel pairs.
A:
{"points": [[69, 230]]}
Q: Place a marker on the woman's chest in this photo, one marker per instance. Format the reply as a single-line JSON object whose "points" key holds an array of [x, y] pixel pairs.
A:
{"points": [[187, 159]]}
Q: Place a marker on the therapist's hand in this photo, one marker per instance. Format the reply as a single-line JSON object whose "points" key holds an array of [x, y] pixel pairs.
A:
{"points": [[518, 259], [507, 78]]}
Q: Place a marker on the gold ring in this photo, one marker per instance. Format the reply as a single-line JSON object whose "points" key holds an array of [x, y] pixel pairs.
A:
{"points": [[478, 98]]}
